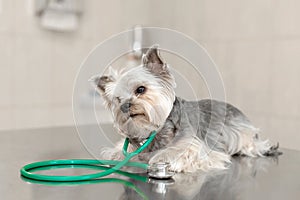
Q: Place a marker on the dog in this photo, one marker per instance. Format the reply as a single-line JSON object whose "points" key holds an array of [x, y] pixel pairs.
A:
{"points": [[191, 135]]}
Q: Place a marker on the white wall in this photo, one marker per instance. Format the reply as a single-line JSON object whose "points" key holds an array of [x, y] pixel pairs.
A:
{"points": [[256, 44]]}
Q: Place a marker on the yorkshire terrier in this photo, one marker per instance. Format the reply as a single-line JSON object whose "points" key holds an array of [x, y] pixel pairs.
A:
{"points": [[191, 135]]}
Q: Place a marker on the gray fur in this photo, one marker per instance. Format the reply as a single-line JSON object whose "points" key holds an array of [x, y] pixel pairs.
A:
{"points": [[212, 121]]}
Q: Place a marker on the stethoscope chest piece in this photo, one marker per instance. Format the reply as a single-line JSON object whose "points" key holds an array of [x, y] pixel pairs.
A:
{"points": [[160, 170]]}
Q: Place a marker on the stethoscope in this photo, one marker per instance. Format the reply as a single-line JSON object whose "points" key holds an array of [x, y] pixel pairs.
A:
{"points": [[157, 170]]}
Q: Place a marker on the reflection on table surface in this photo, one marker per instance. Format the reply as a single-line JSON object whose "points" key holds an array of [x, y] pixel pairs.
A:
{"points": [[246, 178], [233, 183]]}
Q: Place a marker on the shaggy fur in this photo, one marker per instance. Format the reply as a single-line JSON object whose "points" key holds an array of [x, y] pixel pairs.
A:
{"points": [[191, 135]]}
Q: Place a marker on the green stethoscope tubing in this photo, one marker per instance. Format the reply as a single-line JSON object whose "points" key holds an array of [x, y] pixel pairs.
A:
{"points": [[27, 170]]}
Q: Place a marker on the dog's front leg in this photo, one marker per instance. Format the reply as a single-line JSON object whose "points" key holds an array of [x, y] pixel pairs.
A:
{"points": [[177, 154], [189, 154], [115, 153], [108, 153]]}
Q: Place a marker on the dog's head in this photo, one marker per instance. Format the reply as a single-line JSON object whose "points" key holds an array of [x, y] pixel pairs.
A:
{"points": [[140, 98]]}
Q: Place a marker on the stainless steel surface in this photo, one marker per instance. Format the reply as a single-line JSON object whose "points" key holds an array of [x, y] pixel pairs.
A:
{"points": [[247, 178]]}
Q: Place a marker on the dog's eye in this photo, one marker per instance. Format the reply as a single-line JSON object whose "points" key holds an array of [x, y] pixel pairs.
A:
{"points": [[140, 90]]}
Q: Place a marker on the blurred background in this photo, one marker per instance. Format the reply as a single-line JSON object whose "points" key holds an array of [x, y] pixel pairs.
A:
{"points": [[255, 44]]}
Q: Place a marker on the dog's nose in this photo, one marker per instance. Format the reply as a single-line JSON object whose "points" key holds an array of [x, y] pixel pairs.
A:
{"points": [[125, 107]]}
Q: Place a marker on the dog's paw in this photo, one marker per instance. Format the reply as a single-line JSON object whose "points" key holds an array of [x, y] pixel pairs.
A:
{"points": [[144, 157], [191, 160], [111, 154]]}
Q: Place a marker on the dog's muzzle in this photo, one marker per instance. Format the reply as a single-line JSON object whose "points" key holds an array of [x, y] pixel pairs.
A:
{"points": [[125, 107]]}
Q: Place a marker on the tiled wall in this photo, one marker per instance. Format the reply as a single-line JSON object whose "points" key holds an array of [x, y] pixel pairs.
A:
{"points": [[255, 43]]}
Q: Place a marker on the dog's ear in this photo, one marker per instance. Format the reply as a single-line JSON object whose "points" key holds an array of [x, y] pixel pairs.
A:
{"points": [[153, 61], [100, 82], [153, 56]]}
